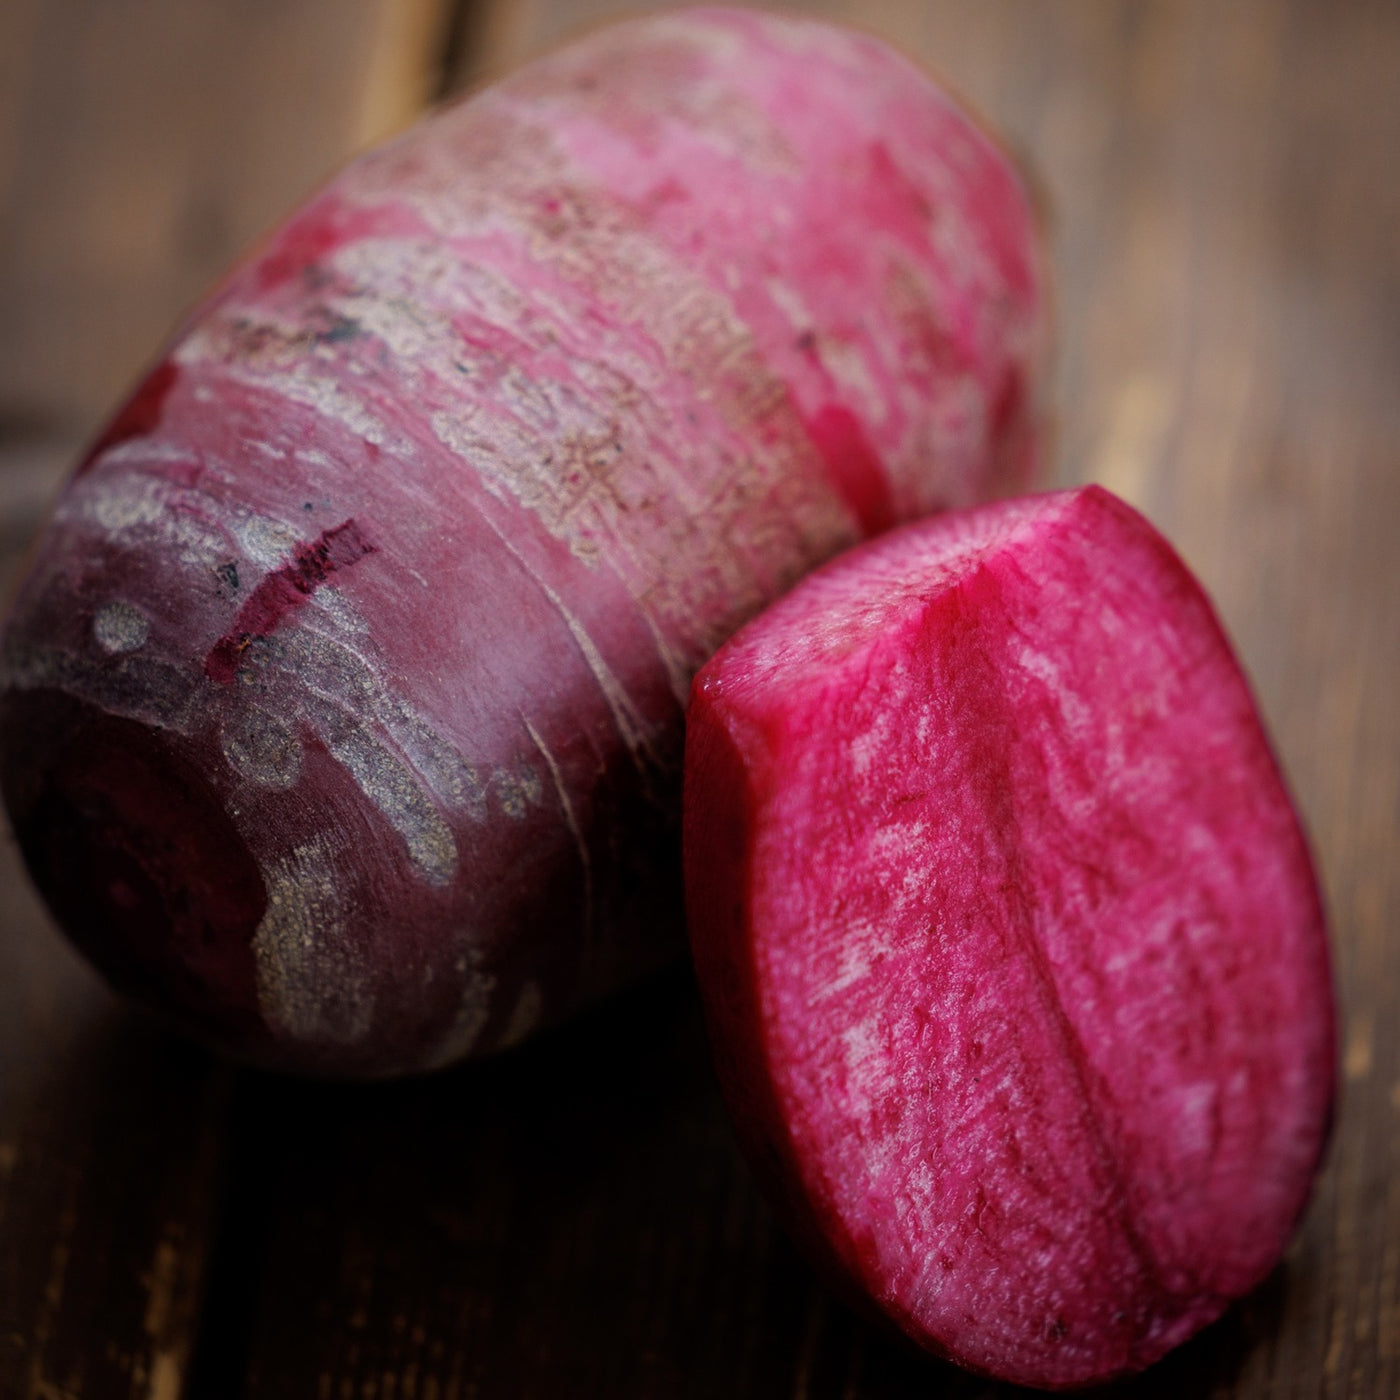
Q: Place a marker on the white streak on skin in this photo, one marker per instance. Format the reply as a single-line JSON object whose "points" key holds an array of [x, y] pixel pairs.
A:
{"points": [[340, 674], [284, 369], [120, 627], [789, 301], [391, 786], [572, 821], [315, 457], [263, 449], [145, 449], [136, 509], [310, 985], [331, 399], [849, 368], [629, 723], [678, 674]]}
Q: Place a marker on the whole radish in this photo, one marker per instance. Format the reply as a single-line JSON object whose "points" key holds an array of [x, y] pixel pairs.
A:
{"points": [[342, 704]]}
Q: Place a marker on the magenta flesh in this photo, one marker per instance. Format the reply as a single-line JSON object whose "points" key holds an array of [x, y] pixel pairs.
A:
{"points": [[397, 567], [1011, 944]]}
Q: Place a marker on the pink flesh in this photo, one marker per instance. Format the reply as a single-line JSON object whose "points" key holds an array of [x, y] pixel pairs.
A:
{"points": [[1011, 943], [409, 548]]}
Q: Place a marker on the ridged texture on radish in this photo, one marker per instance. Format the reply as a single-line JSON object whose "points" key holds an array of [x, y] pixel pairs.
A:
{"points": [[343, 703]]}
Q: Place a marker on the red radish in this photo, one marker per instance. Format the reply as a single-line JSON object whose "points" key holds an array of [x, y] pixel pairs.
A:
{"points": [[1010, 941], [342, 707]]}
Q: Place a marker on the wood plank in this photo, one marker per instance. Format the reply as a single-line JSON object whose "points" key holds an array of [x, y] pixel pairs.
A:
{"points": [[109, 1140], [144, 143], [141, 143], [574, 1220], [569, 1220], [1222, 219]]}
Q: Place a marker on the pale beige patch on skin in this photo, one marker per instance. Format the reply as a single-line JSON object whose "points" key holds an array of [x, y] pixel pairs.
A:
{"points": [[130, 684], [119, 627], [275, 356], [345, 677], [398, 761], [266, 542], [261, 749], [140, 511], [311, 985], [473, 1011], [392, 787]]}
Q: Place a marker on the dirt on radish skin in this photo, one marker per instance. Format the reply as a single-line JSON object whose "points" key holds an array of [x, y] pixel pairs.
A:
{"points": [[1011, 946], [342, 707]]}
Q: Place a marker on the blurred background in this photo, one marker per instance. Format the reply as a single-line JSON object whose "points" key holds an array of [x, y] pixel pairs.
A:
{"points": [[1222, 194]]}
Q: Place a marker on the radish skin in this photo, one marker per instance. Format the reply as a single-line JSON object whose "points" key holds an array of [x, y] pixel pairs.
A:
{"points": [[1012, 951], [342, 705]]}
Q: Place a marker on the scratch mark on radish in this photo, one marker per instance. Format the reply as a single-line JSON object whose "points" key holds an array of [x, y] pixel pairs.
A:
{"points": [[630, 725], [283, 591], [572, 821], [678, 674]]}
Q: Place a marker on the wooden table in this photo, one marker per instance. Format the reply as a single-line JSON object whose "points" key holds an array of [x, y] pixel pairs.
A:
{"points": [[1223, 183]]}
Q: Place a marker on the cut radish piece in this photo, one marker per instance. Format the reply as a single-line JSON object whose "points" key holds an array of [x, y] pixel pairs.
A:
{"points": [[1011, 946]]}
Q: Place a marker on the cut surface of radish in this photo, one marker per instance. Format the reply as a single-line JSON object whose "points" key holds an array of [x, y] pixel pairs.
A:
{"points": [[1012, 950]]}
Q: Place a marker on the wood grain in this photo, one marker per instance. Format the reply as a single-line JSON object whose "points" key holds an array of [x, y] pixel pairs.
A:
{"points": [[1222, 197], [144, 143]]}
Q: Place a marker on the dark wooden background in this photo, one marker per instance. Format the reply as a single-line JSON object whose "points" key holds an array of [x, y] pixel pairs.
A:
{"points": [[1223, 183]]}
